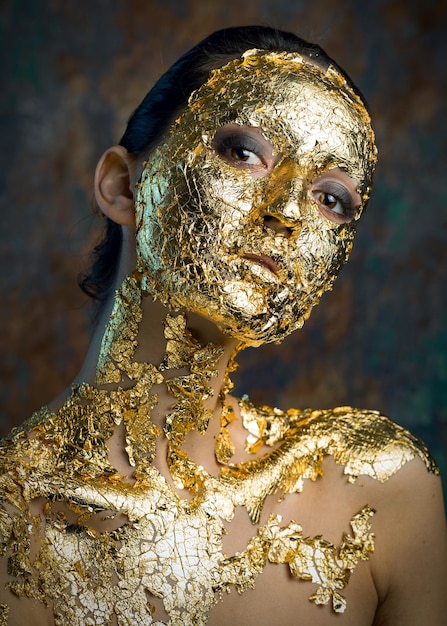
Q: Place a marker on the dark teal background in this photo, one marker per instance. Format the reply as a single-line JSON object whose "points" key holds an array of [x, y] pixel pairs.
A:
{"points": [[72, 71]]}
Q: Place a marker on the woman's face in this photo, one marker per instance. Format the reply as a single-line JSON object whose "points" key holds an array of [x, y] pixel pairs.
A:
{"points": [[247, 212]]}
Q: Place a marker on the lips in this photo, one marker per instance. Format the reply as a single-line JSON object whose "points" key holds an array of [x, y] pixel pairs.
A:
{"points": [[264, 260]]}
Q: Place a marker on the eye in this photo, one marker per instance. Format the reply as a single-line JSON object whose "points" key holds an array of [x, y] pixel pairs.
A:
{"points": [[334, 201], [240, 153], [243, 147], [238, 149], [331, 202]]}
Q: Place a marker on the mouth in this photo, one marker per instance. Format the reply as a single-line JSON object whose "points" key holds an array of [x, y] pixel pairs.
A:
{"points": [[264, 261]]}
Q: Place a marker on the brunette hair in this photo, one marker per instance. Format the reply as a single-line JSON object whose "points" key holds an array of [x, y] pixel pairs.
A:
{"points": [[168, 96]]}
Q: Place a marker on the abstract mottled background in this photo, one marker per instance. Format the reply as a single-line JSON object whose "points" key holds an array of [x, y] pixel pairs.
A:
{"points": [[72, 72]]}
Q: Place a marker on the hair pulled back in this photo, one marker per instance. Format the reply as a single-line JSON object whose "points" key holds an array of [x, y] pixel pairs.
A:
{"points": [[161, 105]]}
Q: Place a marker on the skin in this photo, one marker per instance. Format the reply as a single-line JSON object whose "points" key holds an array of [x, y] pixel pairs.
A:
{"points": [[402, 584]]}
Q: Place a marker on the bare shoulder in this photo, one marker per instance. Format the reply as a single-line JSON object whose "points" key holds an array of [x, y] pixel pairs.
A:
{"points": [[411, 546], [357, 457], [409, 562]]}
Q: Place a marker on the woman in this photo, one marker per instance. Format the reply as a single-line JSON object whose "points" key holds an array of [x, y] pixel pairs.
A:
{"points": [[147, 494]]}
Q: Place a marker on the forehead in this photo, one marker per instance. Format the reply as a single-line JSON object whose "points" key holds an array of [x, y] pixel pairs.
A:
{"points": [[305, 111]]}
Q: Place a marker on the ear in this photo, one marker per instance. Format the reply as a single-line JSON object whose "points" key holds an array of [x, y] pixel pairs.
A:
{"points": [[113, 185]]}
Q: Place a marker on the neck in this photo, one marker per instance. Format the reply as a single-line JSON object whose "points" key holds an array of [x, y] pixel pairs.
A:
{"points": [[172, 372]]}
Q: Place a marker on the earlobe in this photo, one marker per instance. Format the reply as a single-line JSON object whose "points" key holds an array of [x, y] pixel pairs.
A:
{"points": [[113, 186]]}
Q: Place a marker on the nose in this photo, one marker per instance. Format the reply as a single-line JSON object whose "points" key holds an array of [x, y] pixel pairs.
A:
{"points": [[283, 200], [276, 225]]}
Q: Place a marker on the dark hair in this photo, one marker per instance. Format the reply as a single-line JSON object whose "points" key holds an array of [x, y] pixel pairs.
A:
{"points": [[167, 97]]}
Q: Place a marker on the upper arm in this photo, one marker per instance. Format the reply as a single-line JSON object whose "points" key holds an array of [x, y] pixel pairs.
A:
{"points": [[411, 556]]}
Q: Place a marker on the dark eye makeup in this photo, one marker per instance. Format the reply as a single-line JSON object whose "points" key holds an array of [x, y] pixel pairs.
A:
{"points": [[242, 147], [335, 200], [246, 148], [237, 142]]}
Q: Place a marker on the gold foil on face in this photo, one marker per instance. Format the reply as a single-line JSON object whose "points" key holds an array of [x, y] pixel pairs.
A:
{"points": [[199, 219], [162, 561]]}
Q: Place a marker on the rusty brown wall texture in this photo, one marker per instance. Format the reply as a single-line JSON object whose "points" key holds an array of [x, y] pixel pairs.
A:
{"points": [[73, 70]]}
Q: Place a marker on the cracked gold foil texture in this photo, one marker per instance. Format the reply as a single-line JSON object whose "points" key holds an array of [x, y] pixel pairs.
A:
{"points": [[199, 218], [164, 547], [100, 548]]}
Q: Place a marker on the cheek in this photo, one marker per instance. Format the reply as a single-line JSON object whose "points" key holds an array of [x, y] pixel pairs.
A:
{"points": [[221, 185], [217, 209], [321, 253], [159, 215]]}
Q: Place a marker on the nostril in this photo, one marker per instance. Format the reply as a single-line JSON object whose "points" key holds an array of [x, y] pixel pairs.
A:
{"points": [[273, 223]]}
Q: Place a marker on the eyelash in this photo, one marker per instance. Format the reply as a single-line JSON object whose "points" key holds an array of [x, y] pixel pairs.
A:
{"points": [[341, 195], [237, 142]]}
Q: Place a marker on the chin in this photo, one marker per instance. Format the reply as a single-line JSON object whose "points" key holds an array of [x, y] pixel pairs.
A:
{"points": [[257, 332], [269, 325], [252, 312]]}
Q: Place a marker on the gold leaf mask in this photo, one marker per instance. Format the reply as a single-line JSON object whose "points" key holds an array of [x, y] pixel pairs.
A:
{"points": [[268, 138]]}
